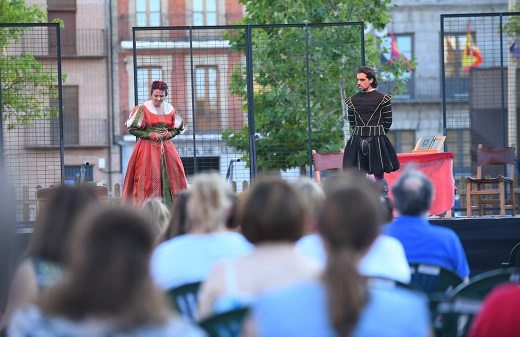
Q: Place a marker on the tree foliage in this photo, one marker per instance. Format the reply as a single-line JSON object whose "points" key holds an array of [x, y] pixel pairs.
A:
{"points": [[26, 83], [280, 71], [512, 27]]}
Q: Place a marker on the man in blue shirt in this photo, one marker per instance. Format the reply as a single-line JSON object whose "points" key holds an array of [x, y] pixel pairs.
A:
{"points": [[422, 241]]}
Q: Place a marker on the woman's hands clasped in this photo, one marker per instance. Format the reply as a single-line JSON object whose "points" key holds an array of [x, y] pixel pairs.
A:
{"points": [[160, 135]]}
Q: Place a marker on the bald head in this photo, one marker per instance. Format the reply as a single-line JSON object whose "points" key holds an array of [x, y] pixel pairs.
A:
{"points": [[413, 193]]}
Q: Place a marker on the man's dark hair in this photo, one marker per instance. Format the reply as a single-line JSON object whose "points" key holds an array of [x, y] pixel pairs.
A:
{"points": [[413, 193], [371, 75]]}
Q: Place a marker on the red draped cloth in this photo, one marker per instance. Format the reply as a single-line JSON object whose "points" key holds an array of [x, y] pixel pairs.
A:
{"points": [[437, 166]]}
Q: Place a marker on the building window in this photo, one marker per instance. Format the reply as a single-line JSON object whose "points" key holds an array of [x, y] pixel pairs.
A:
{"points": [[459, 143], [403, 46], [205, 12], [456, 78], [148, 13], [64, 10], [70, 98], [207, 164], [72, 174], [403, 140], [206, 98], [454, 47], [145, 77]]}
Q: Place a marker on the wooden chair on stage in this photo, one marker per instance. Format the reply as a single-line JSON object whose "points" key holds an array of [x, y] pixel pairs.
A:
{"points": [[499, 190], [512, 256], [328, 162]]}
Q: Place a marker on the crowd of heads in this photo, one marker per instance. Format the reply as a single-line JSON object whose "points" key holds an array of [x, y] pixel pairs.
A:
{"points": [[106, 250]]}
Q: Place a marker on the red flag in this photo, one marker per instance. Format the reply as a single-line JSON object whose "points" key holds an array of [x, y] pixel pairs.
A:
{"points": [[471, 57]]}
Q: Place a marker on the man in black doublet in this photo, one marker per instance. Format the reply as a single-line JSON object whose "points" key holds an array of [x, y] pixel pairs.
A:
{"points": [[369, 114]]}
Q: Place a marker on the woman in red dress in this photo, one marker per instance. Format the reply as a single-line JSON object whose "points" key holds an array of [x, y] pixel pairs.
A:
{"points": [[155, 168]]}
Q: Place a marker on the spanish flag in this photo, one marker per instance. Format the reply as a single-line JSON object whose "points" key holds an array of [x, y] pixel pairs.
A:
{"points": [[471, 56]]}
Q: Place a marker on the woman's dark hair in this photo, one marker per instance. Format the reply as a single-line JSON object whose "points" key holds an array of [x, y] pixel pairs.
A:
{"points": [[109, 272], [56, 220], [231, 222], [371, 75], [348, 223], [271, 211], [178, 223], [159, 85]]}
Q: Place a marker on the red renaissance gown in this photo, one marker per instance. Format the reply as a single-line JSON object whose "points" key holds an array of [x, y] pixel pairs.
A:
{"points": [[155, 168]]}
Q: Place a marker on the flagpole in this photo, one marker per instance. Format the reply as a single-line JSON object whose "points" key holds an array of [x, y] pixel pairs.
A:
{"points": [[511, 91]]}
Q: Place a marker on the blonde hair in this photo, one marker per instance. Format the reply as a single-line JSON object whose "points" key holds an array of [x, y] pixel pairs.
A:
{"points": [[157, 214], [311, 194], [208, 204]]}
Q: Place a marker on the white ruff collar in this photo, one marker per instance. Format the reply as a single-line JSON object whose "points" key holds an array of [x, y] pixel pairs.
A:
{"points": [[168, 108]]}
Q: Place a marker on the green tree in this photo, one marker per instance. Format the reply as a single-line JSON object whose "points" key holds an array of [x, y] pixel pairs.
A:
{"points": [[512, 27], [26, 83], [280, 73]]}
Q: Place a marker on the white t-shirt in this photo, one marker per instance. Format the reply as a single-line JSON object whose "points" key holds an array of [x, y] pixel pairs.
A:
{"points": [[386, 257]]}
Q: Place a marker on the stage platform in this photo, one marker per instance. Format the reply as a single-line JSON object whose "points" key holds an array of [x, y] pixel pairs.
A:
{"points": [[487, 240]]}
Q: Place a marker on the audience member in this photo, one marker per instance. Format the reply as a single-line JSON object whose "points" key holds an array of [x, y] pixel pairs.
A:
{"points": [[272, 217], [189, 257], [498, 316], [422, 241], [157, 214], [178, 223], [48, 246], [313, 196], [342, 303], [386, 257], [109, 291], [231, 222]]}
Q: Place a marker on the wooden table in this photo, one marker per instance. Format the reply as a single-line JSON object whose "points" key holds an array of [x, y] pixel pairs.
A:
{"points": [[438, 166]]}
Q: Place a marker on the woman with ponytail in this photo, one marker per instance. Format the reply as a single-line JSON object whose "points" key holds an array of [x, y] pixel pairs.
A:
{"points": [[343, 303]]}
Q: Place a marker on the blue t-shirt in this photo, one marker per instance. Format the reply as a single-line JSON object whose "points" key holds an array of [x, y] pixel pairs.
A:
{"points": [[302, 311], [427, 243], [189, 258]]}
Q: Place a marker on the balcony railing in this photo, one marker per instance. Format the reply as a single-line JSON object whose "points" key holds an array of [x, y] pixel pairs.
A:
{"points": [[82, 132], [126, 22], [428, 89], [79, 42]]}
